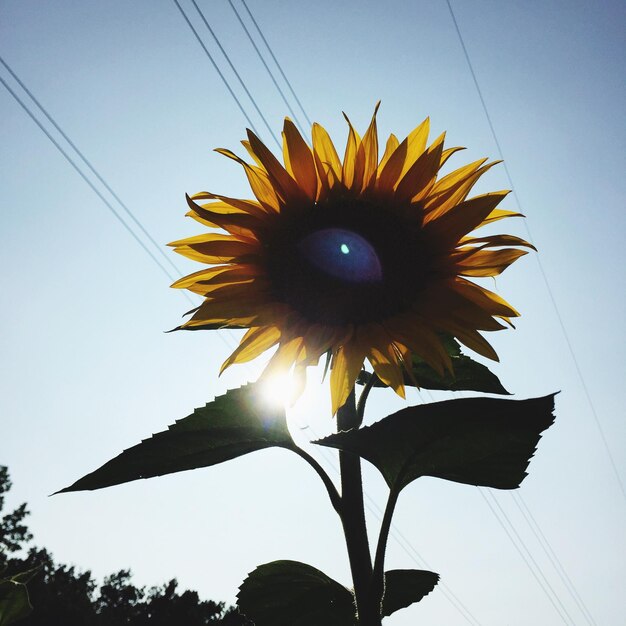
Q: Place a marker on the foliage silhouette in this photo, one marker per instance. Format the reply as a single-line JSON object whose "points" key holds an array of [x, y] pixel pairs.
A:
{"points": [[60, 594]]}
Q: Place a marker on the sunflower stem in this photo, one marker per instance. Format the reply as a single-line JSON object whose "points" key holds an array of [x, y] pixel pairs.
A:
{"points": [[353, 520], [378, 578], [360, 407]]}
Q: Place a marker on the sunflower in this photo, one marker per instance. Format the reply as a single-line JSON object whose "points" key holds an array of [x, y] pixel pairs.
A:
{"points": [[360, 258]]}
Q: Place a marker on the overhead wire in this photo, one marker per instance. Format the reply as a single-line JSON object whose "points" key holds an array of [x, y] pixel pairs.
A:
{"points": [[270, 73], [90, 166], [232, 67], [552, 556], [526, 555], [216, 67], [71, 161], [99, 177], [542, 271], [278, 65]]}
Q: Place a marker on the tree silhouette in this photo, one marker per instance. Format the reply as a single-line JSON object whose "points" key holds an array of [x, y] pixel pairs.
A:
{"points": [[60, 594]]}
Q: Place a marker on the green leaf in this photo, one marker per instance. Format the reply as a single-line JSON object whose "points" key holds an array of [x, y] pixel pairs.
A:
{"points": [[290, 593], [469, 375], [404, 587], [14, 602], [478, 441], [232, 425]]}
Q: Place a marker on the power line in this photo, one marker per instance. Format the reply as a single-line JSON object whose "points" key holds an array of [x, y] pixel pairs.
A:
{"points": [[217, 69], [540, 264], [269, 71], [543, 582], [90, 166], [84, 177], [232, 67], [280, 69], [554, 559]]}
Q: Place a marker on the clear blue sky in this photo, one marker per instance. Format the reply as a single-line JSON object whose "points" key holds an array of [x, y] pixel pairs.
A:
{"points": [[87, 370]]}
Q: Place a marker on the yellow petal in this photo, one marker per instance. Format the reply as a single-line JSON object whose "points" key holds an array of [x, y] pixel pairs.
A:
{"points": [[444, 198], [449, 228], [254, 342], [488, 262], [499, 214], [422, 174], [353, 160], [412, 331], [390, 148], [416, 144], [220, 274], [278, 175], [370, 151], [347, 363], [390, 172], [299, 158], [215, 248], [381, 354], [259, 182], [484, 298], [236, 205], [324, 149], [498, 240], [284, 358], [236, 223]]}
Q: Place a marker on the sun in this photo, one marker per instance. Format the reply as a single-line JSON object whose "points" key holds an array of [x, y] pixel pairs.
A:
{"points": [[279, 390]]}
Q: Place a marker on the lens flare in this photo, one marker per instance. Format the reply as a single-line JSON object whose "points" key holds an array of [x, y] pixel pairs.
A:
{"points": [[342, 254]]}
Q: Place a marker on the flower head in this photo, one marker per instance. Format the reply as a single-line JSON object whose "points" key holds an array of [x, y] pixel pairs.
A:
{"points": [[361, 258]]}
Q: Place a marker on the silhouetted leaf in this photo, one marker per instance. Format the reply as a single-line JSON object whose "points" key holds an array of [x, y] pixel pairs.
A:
{"points": [[14, 602], [469, 375], [477, 441], [404, 587], [290, 593], [232, 425]]}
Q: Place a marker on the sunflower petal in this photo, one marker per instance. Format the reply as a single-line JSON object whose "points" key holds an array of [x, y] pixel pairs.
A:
{"points": [[280, 178], [498, 214], [370, 151], [299, 158], [259, 181], [455, 191], [392, 169], [484, 298], [325, 151], [379, 347], [497, 241], [461, 219], [240, 224], [416, 144], [347, 363], [215, 248], [256, 341], [422, 174], [390, 148], [236, 205], [353, 160], [488, 262]]}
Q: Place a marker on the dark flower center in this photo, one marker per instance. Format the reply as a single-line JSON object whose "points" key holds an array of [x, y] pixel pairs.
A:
{"points": [[348, 261], [342, 254]]}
